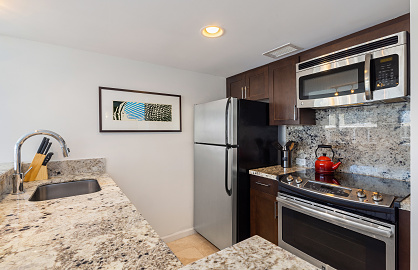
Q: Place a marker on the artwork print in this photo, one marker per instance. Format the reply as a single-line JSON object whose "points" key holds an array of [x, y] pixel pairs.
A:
{"points": [[135, 111], [122, 110]]}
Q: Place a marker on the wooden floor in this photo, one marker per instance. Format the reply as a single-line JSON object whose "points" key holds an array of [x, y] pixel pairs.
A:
{"points": [[192, 248]]}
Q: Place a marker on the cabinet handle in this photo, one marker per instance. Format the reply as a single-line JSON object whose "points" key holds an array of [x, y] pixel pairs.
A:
{"points": [[242, 92], [275, 210], [295, 113], [246, 92], [262, 184]]}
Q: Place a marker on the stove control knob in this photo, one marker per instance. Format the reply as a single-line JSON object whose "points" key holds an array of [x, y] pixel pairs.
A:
{"points": [[377, 197], [289, 178], [361, 193], [298, 180]]}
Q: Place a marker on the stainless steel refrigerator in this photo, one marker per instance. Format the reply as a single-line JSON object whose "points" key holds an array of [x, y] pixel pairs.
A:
{"points": [[231, 136]]}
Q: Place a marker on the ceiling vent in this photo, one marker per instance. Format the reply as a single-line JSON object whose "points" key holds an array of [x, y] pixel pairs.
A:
{"points": [[282, 50]]}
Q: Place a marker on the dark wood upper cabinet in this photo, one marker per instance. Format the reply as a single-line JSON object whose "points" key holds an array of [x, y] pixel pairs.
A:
{"points": [[282, 91], [393, 26], [252, 85], [256, 83], [235, 86]]}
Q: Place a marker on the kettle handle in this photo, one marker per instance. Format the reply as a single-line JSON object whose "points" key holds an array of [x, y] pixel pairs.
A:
{"points": [[324, 146]]}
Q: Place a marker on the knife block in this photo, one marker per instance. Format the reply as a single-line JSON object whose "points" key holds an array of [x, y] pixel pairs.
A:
{"points": [[42, 174], [36, 166]]}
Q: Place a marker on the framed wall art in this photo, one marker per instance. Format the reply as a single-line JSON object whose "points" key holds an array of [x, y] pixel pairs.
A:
{"points": [[122, 110]]}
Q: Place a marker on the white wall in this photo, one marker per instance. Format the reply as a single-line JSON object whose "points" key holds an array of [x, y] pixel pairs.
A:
{"points": [[49, 87], [414, 134]]}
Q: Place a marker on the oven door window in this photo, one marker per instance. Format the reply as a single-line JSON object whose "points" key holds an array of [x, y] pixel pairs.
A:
{"points": [[334, 82], [338, 247]]}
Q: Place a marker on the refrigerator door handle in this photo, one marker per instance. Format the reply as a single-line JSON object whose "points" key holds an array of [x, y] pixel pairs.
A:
{"points": [[228, 102], [227, 146], [228, 191]]}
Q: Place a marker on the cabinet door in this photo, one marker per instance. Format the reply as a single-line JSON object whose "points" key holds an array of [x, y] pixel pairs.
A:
{"points": [[282, 90], [263, 216], [404, 240], [235, 86], [256, 84]]}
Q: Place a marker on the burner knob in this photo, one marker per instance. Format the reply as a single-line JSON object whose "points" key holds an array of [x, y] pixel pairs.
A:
{"points": [[298, 180], [361, 193], [289, 178], [377, 197]]}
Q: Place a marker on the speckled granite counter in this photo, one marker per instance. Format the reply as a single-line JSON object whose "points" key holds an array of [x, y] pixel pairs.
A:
{"points": [[406, 204], [100, 230], [273, 172], [253, 253]]}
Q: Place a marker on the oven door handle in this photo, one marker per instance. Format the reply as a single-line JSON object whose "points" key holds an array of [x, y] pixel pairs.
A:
{"points": [[325, 215]]}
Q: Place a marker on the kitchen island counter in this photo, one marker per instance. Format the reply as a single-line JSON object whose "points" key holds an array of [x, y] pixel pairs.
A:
{"points": [[100, 230], [252, 253]]}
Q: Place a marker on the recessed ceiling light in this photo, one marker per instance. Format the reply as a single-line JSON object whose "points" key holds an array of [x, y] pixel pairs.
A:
{"points": [[212, 31]]}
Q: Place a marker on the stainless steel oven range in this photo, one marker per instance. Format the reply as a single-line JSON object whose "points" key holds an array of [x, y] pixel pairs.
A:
{"points": [[347, 222]]}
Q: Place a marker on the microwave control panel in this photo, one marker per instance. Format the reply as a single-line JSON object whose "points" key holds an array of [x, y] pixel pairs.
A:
{"points": [[386, 72]]}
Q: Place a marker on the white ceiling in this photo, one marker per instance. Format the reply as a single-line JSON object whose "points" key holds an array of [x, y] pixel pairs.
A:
{"points": [[168, 32]]}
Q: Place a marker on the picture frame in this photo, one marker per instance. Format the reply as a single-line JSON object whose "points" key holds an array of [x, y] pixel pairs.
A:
{"points": [[124, 110]]}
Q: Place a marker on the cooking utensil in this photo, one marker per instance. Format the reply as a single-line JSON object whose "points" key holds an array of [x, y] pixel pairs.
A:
{"points": [[277, 145], [324, 164], [290, 145]]}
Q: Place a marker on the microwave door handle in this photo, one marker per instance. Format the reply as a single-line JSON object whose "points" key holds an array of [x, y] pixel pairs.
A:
{"points": [[326, 216], [367, 88]]}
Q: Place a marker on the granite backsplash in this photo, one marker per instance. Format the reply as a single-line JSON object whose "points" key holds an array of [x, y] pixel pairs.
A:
{"points": [[371, 140]]}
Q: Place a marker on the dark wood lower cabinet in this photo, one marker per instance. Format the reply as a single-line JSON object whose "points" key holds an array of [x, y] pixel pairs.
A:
{"points": [[404, 240], [263, 215]]}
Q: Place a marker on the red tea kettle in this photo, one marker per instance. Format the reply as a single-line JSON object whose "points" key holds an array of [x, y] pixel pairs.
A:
{"points": [[324, 164]]}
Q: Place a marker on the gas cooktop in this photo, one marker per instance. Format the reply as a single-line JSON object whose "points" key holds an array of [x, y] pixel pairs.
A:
{"points": [[357, 188]]}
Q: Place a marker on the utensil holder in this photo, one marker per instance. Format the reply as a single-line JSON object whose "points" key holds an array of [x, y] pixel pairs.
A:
{"points": [[36, 166], [42, 174], [286, 158]]}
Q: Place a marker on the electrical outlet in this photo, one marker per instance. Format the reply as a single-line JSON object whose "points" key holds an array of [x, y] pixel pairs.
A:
{"points": [[301, 161]]}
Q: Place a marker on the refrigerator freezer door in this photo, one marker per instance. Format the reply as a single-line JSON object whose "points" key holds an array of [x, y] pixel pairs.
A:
{"points": [[209, 122], [214, 213]]}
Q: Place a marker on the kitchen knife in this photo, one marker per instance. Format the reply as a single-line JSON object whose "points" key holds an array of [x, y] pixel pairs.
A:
{"points": [[41, 145], [47, 158], [47, 148], [44, 146]]}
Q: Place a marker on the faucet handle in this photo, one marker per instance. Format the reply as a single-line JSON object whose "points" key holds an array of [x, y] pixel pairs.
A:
{"points": [[24, 174]]}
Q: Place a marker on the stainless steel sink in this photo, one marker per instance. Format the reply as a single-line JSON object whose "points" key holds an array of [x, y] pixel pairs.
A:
{"points": [[67, 189]]}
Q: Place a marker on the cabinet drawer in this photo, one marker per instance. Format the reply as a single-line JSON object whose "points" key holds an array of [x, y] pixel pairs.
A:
{"points": [[265, 185]]}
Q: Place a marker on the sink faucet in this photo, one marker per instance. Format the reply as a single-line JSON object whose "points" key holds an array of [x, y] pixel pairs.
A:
{"points": [[18, 175]]}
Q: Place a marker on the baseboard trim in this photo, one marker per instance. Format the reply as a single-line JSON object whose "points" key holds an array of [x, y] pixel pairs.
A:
{"points": [[178, 235]]}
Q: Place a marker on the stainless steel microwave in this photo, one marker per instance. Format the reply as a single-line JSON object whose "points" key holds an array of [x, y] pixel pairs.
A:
{"points": [[372, 72]]}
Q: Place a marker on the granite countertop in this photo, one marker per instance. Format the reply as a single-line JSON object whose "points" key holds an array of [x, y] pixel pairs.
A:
{"points": [[274, 172], [252, 253], [406, 203], [100, 230]]}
